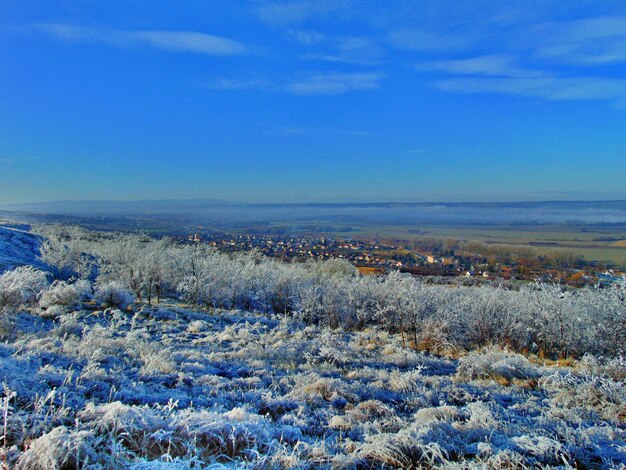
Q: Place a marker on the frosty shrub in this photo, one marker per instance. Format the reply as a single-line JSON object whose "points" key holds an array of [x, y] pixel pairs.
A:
{"points": [[113, 294], [371, 415], [408, 448], [54, 311], [138, 428], [543, 449], [84, 290], [586, 393], [224, 436], [59, 293], [495, 363], [197, 326], [7, 322], [60, 448], [22, 286]]}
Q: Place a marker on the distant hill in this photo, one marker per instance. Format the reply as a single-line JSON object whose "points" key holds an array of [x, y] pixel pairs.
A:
{"points": [[95, 208], [158, 206], [174, 216]]}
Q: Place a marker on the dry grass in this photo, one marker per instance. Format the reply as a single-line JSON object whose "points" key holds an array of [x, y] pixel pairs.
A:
{"points": [[369, 270]]}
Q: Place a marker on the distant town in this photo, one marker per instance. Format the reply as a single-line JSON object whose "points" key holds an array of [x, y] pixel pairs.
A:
{"points": [[473, 261]]}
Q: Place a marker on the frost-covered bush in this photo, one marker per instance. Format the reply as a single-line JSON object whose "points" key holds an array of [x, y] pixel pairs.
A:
{"points": [[113, 294], [223, 436], [139, 428], [197, 326], [584, 393], [60, 448], [315, 389], [370, 416], [156, 359], [495, 363], [417, 446], [53, 311], [60, 293], [69, 324], [84, 289], [22, 286]]}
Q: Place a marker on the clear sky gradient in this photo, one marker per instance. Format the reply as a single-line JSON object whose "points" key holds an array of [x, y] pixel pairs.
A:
{"points": [[312, 100]]}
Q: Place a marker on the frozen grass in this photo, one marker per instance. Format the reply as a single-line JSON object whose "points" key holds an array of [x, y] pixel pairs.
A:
{"points": [[496, 364], [174, 388]]}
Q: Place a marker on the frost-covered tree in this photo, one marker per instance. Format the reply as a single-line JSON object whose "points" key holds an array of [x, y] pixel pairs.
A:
{"points": [[156, 262], [192, 271], [543, 318], [66, 250]]}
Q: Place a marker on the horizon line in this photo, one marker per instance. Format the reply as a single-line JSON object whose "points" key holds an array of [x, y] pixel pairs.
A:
{"points": [[228, 202]]}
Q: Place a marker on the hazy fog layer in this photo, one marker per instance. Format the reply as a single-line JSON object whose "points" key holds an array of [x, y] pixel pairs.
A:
{"points": [[206, 212]]}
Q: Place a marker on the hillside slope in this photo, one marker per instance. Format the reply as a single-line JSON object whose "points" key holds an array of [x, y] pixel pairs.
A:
{"points": [[18, 248]]}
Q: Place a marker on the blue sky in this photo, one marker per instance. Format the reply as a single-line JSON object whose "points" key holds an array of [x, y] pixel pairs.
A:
{"points": [[326, 100]]}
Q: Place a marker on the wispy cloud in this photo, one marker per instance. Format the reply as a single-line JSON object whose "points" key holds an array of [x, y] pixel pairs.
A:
{"points": [[237, 84], [335, 83], [423, 41], [6, 161], [351, 50], [548, 46], [587, 42], [552, 89], [296, 12], [496, 65], [302, 131], [175, 41], [306, 37], [358, 50], [319, 83]]}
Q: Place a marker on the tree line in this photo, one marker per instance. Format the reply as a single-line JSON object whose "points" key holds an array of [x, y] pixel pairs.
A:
{"points": [[121, 268]]}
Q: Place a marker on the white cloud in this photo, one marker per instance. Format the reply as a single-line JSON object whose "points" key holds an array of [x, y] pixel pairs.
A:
{"points": [[552, 89], [424, 41], [297, 12], [176, 41], [189, 41], [587, 42], [351, 50], [335, 83], [321, 83], [241, 84], [306, 37], [495, 65]]}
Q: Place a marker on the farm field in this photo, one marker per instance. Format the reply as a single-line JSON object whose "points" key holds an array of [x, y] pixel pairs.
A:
{"points": [[593, 243], [171, 387], [583, 241], [580, 240]]}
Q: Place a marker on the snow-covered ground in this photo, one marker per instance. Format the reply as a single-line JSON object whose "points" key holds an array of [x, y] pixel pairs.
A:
{"points": [[169, 387], [18, 248]]}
